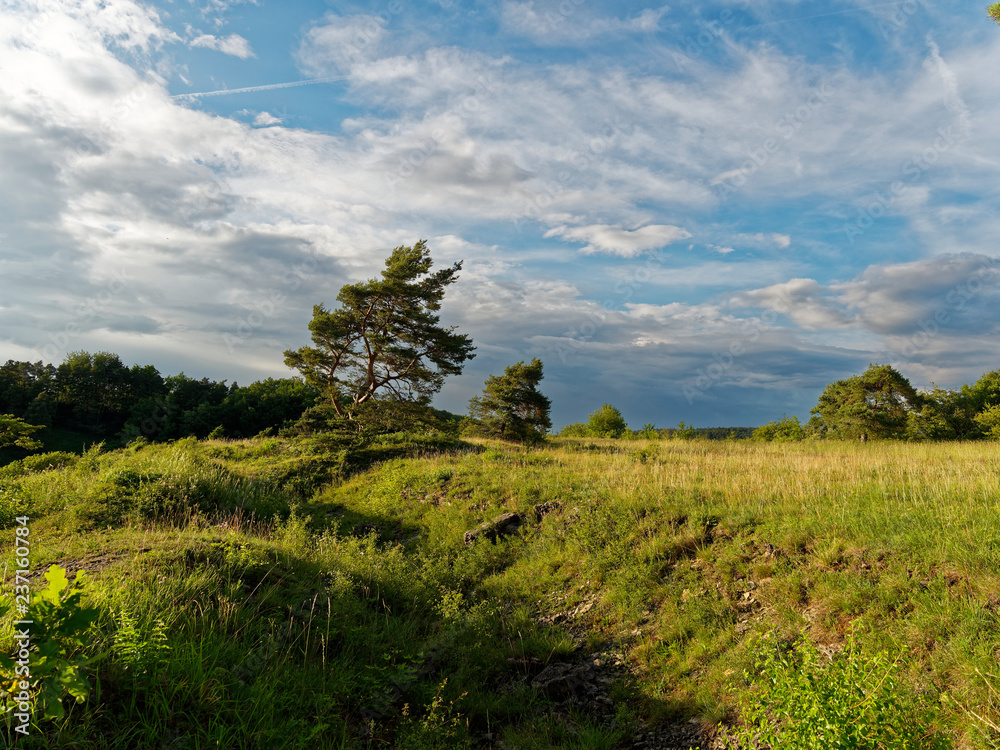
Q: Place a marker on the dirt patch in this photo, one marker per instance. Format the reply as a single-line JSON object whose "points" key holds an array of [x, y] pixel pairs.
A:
{"points": [[90, 564]]}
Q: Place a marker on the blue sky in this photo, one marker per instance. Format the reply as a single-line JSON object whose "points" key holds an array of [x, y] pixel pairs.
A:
{"points": [[702, 212]]}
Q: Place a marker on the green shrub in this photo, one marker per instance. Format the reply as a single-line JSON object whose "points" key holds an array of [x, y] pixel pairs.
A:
{"points": [[989, 421], [798, 700], [783, 430], [577, 429], [13, 502], [606, 422], [440, 728], [59, 624], [37, 463]]}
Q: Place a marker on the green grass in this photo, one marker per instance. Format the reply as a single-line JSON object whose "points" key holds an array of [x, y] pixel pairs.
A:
{"points": [[296, 593]]}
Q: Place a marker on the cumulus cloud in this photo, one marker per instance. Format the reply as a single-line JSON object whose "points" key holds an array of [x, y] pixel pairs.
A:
{"points": [[898, 298], [233, 44], [603, 238], [954, 292], [266, 119], [802, 300], [339, 43]]}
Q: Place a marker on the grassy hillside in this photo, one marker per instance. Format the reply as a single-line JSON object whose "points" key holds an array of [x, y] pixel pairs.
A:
{"points": [[276, 593]]}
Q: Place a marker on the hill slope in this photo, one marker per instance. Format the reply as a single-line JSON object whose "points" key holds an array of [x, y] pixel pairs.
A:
{"points": [[277, 593]]}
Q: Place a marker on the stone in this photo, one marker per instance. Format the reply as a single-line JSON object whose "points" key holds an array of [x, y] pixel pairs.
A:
{"points": [[543, 509], [503, 525], [561, 682]]}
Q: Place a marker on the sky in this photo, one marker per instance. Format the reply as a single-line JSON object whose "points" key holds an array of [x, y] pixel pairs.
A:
{"points": [[702, 212]]}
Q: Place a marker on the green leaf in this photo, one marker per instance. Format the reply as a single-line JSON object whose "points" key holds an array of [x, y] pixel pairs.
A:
{"points": [[58, 581]]}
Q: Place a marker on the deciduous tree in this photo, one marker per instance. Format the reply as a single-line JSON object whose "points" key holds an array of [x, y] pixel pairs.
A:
{"points": [[876, 403], [989, 420]]}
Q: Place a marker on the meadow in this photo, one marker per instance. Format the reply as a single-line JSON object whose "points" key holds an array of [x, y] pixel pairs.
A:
{"points": [[295, 593]]}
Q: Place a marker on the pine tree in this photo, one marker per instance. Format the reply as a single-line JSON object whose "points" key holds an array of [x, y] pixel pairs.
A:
{"points": [[384, 343], [510, 407]]}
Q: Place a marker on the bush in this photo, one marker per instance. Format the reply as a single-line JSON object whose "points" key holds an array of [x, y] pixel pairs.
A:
{"points": [[606, 422], [783, 430], [60, 625], [853, 701], [577, 429], [989, 420], [648, 432]]}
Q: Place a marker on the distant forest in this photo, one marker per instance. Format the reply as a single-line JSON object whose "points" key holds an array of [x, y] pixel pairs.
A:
{"points": [[97, 395]]}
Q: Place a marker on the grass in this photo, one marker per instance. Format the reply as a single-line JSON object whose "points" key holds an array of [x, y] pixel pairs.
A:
{"points": [[291, 593]]}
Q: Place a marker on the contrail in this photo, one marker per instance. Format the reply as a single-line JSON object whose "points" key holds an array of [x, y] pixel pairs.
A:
{"points": [[265, 87]]}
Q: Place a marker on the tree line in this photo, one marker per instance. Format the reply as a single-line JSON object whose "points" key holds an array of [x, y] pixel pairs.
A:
{"points": [[881, 403], [377, 360], [97, 395]]}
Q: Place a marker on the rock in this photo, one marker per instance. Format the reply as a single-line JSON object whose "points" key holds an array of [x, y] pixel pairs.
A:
{"points": [[561, 683], [675, 736], [543, 509], [503, 525]]}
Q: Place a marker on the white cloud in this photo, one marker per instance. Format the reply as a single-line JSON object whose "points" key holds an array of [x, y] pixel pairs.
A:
{"points": [[802, 300], [762, 240], [603, 238], [340, 43], [953, 98], [959, 293], [233, 44], [266, 119], [898, 298], [549, 22]]}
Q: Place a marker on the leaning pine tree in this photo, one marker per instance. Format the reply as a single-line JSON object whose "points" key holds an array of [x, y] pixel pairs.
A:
{"points": [[510, 407], [383, 352]]}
